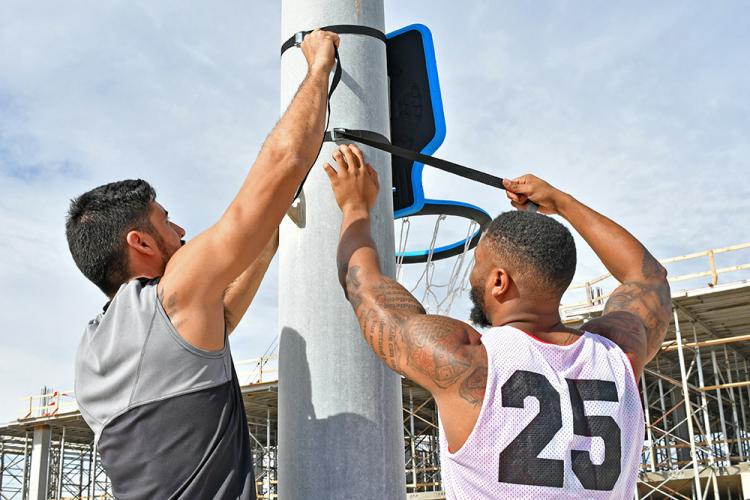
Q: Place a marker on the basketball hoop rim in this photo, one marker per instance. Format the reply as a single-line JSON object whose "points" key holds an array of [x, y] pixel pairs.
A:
{"points": [[452, 208]]}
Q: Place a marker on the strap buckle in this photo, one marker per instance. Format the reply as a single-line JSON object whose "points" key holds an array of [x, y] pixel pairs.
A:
{"points": [[336, 134], [299, 37]]}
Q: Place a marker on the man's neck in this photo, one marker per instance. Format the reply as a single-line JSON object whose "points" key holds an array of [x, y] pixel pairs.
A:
{"points": [[547, 326]]}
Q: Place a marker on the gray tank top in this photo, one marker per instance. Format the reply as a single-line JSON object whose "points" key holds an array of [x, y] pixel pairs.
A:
{"points": [[168, 418]]}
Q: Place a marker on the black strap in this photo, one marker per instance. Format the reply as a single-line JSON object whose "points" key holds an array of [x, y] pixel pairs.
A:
{"points": [[374, 139], [339, 29], [349, 29], [377, 141]]}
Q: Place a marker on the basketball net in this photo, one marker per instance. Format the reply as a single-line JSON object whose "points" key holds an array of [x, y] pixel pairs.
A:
{"points": [[436, 284]]}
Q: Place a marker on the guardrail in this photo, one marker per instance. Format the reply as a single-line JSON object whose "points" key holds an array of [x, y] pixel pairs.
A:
{"points": [[49, 404], [596, 293], [55, 403], [258, 370]]}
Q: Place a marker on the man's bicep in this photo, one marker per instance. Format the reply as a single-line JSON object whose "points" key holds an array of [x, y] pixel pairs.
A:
{"points": [[648, 301], [440, 353], [627, 331]]}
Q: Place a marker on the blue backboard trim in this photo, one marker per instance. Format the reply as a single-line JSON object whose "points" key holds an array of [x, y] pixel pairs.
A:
{"points": [[438, 113]]}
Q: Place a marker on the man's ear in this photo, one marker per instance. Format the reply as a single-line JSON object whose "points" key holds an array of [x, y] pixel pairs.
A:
{"points": [[140, 242], [501, 283]]}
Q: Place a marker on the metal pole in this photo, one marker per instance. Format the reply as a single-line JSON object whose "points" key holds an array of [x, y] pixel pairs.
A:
{"points": [[92, 472], [25, 488], [706, 419], [733, 402], [60, 465], [720, 402], [743, 431], [664, 425], [340, 408], [268, 452], [411, 440], [649, 433], [688, 406], [2, 466]]}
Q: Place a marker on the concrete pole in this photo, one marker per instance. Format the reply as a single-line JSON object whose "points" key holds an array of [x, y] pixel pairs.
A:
{"points": [[340, 429], [40, 463]]}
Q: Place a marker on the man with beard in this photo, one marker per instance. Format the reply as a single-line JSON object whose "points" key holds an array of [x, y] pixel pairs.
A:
{"points": [[530, 408], [154, 374]]}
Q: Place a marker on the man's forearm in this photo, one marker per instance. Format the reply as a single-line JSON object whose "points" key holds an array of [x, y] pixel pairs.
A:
{"points": [[620, 252], [644, 291], [299, 132], [356, 248]]}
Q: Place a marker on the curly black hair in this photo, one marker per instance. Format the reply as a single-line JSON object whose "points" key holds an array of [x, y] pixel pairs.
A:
{"points": [[96, 226], [538, 248]]}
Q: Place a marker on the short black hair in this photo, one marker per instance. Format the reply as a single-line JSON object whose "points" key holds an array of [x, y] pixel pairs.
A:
{"points": [[537, 246], [96, 226]]}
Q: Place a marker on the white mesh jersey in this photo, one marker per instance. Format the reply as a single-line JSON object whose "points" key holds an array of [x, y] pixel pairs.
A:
{"points": [[556, 422]]}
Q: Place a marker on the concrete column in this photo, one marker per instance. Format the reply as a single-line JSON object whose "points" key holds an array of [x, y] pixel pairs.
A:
{"points": [[340, 429], [40, 463]]}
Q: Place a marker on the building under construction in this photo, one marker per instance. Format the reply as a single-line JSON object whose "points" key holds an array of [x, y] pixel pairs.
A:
{"points": [[695, 393]]}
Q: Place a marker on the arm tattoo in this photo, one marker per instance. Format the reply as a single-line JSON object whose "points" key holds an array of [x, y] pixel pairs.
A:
{"points": [[650, 300], [434, 349], [432, 345], [353, 292], [473, 386], [170, 307]]}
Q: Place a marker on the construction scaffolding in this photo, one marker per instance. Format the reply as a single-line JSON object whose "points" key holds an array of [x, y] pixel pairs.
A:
{"points": [[696, 397]]}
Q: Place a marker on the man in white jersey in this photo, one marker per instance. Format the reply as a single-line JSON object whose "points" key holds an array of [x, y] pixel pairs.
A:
{"points": [[530, 408]]}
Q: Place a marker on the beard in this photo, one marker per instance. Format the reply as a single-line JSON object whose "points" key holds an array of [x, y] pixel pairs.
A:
{"points": [[477, 315]]}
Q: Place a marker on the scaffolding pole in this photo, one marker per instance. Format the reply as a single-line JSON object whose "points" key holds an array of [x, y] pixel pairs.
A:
{"points": [[720, 402], [706, 419], [688, 405]]}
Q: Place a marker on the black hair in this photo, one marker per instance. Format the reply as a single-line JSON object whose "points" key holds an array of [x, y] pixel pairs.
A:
{"points": [[538, 247], [96, 226]]}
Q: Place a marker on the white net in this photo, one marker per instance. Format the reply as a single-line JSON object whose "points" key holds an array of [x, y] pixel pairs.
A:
{"points": [[435, 283]]}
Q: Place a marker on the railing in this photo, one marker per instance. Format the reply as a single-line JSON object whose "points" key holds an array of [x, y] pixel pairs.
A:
{"points": [[49, 404], [258, 370], [55, 403], [596, 294]]}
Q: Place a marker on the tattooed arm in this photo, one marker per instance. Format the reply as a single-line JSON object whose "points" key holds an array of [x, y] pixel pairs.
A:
{"points": [[637, 313], [443, 355]]}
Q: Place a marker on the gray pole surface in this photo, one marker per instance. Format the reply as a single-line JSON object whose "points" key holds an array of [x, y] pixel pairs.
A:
{"points": [[340, 428], [40, 463]]}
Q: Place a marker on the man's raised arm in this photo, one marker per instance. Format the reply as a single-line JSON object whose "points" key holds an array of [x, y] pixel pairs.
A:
{"points": [[636, 314], [441, 354], [198, 274]]}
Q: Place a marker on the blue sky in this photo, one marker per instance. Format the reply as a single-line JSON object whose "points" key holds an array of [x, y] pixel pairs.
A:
{"points": [[640, 109]]}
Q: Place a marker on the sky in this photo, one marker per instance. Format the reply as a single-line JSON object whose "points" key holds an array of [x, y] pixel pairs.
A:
{"points": [[639, 109]]}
